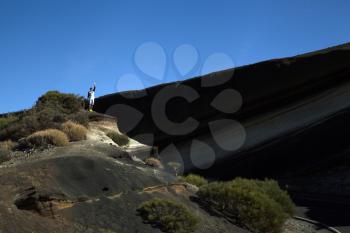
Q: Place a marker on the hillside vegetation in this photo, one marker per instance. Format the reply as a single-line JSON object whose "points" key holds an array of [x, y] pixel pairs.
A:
{"points": [[260, 206], [49, 112]]}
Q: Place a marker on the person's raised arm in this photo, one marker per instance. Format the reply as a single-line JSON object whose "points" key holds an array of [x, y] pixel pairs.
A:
{"points": [[94, 88]]}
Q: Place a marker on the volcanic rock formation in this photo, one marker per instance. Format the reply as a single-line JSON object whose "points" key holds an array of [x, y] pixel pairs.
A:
{"points": [[272, 118]]}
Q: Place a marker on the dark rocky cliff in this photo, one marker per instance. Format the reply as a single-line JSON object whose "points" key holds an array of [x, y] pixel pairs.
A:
{"points": [[285, 106]]}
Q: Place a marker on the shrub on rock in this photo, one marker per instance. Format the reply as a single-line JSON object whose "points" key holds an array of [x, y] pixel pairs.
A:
{"points": [[120, 139], [248, 203], [74, 131], [168, 215], [65, 103], [194, 179], [273, 190]]}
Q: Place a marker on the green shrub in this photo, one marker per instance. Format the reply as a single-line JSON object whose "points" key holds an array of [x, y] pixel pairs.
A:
{"points": [[44, 119], [81, 117], [168, 215], [13, 131], [273, 190], [66, 103], [74, 131], [42, 139], [120, 139], [247, 203], [5, 121], [4, 155], [194, 179]]}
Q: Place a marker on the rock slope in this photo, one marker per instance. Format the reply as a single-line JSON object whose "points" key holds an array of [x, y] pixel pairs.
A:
{"points": [[88, 186]]}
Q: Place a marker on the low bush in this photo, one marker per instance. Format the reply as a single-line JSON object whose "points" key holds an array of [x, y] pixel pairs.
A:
{"points": [[81, 117], [154, 162], [5, 121], [65, 103], [273, 190], [42, 139], [7, 145], [168, 215], [120, 139], [247, 202], [4, 155], [74, 131], [194, 179]]}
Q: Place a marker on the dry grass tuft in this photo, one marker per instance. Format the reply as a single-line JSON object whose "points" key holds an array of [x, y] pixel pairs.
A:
{"points": [[47, 137], [74, 131], [7, 145], [153, 162]]}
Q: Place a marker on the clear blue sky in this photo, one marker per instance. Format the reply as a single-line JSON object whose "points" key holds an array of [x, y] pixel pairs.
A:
{"points": [[65, 45]]}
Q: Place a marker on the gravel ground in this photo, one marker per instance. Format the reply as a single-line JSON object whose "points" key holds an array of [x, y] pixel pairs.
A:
{"points": [[296, 226]]}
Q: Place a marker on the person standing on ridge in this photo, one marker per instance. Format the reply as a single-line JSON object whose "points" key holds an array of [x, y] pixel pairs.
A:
{"points": [[91, 97]]}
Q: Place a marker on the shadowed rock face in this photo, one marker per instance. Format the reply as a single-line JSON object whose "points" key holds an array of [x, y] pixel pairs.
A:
{"points": [[83, 188], [284, 107]]}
